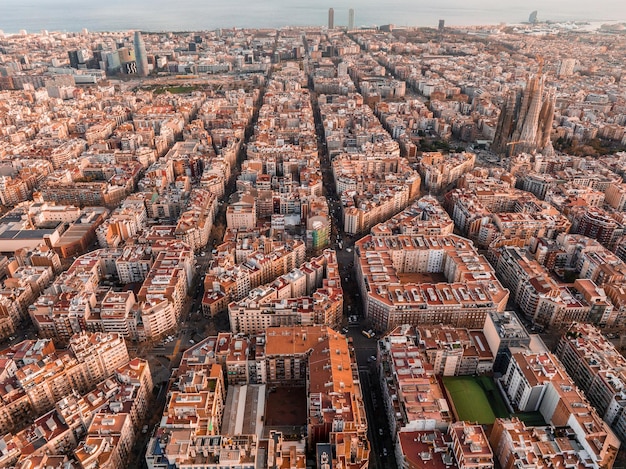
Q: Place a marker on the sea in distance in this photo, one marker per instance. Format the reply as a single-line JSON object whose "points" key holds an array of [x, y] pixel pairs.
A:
{"points": [[195, 15]]}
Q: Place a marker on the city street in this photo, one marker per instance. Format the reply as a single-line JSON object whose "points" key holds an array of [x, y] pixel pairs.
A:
{"points": [[364, 348]]}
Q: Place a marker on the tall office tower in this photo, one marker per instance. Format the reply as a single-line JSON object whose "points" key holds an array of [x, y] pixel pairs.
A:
{"points": [[533, 17], [350, 19], [78, 57], [112, 60], [331, 18], [525, 122], [73, 56], [141, 57], [442, 25]]}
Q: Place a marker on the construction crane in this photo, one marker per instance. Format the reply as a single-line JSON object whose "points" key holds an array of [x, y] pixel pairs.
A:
{"points": [[515, 143]]}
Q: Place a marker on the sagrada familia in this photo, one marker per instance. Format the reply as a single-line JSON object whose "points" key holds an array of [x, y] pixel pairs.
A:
{"points": [[525, 121]]}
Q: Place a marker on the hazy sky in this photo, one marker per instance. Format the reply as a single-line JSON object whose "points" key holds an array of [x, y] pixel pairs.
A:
{"points": [[73, 15]]}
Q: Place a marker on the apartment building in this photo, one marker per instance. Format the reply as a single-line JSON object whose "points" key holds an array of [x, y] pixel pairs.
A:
{"points": [[321, 358], [596, 223], [181, 449], [538, 381], [336, 411], [615, 196], [64, 428], [596, 367], [419, 403], [485, 213], [514, 444], [503, 332], [470, 446], [39, 376], [240, 268], [438, 170], [420, 280], [193, 413], [428, 448], [167, 282], [309, 295], [124, 223], [546, 301], [195, 224], [455, 352], [242, 214], [425, 216], [101, 354], [192, 431], [109, 442], [390, 181], [134, 264], [118, 314]]}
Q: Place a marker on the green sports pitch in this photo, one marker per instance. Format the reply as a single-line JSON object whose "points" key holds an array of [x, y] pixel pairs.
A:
{"points": [[475, 398]]}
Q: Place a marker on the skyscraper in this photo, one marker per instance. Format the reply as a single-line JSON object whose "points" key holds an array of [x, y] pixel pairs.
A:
{"points": [[350, 19], [78, 57], [442, 25], [141, 56], [73, 55], [331, 18]]}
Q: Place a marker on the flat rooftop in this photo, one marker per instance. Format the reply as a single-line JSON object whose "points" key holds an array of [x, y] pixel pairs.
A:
{"points": [[244, 409]]}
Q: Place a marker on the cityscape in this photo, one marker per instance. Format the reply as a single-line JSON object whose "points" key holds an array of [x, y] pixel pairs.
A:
{"points": [[324, 247]]}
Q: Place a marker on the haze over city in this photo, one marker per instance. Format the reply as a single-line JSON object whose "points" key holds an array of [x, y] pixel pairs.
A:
{"points": [[283, 235], [164, 15]]}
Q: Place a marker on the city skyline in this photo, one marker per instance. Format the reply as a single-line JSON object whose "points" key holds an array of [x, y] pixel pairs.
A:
{"points": [[195, 15]]}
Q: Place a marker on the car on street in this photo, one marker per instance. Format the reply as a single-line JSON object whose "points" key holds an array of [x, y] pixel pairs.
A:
{"points": [[380, 432], [384, 451]]}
